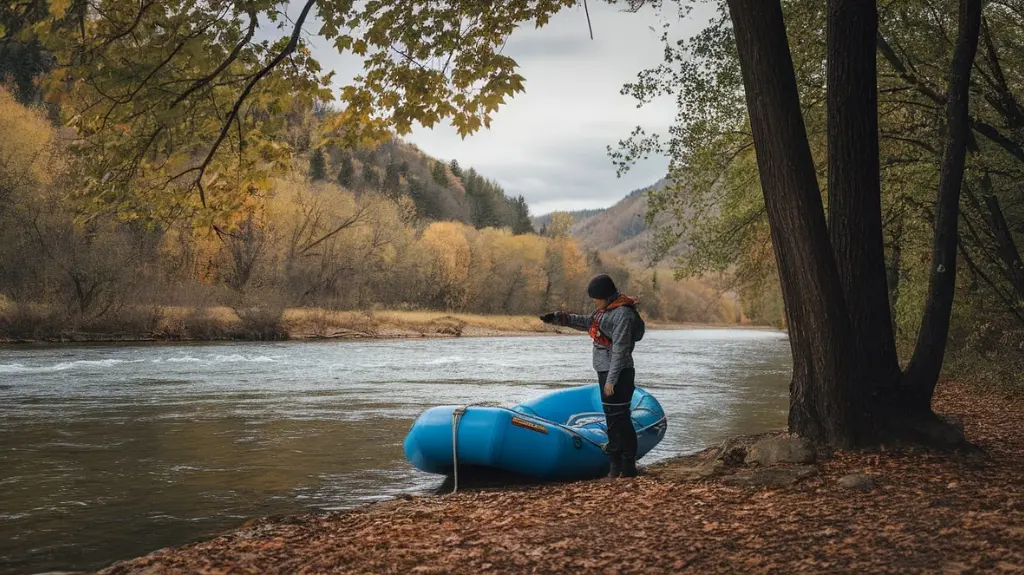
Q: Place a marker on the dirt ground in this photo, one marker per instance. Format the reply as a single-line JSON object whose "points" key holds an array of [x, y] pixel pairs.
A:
{"points": [[927, 513]]}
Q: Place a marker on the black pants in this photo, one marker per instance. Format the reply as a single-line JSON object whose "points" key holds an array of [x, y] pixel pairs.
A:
{"points": [[621, 435]]}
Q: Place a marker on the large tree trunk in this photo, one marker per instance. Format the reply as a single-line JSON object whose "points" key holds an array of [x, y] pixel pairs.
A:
{"points": [[824, 401], [922, 373], [854, 190]]}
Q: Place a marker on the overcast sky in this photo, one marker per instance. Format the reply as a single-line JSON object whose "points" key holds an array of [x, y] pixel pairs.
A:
{"points": [[549, 143]]}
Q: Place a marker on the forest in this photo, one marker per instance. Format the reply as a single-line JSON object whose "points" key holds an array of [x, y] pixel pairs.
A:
{"points": [[174, 161], [847, 170], [715, 204], [334, 230]]}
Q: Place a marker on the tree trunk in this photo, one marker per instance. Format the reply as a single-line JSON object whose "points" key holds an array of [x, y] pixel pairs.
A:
{"points": [[925, 365], [854, 190], [824, 402]]}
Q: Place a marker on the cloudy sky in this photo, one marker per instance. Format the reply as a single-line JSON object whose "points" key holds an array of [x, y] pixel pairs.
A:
{"points": [[549, 143]]}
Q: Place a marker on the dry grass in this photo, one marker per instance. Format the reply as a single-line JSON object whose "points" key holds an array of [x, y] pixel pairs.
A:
{"points": [[491, 322], [316, 322], [184, 323]]}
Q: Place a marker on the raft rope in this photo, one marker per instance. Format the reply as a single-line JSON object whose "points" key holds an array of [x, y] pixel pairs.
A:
{"points": [[460, 411], [456, 416]]}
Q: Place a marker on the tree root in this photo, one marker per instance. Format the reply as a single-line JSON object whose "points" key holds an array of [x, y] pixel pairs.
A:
{"points": [[930, 431]]}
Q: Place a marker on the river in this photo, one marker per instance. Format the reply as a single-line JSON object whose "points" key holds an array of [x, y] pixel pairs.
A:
{"points": [[110, 451]]}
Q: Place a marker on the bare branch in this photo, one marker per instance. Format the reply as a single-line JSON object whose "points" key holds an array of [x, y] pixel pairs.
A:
{"points": [[890, 55], [993, 134]]}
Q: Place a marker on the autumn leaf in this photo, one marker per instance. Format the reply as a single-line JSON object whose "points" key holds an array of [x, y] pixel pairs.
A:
{"points": [[58, 8]]}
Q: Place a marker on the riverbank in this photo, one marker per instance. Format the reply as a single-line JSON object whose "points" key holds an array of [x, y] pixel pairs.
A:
{"points": [[175, 324], [923, 513]]}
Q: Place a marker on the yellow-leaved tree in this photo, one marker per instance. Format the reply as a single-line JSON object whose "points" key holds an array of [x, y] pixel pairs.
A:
{"points": [[26, 148], [449, 254]]}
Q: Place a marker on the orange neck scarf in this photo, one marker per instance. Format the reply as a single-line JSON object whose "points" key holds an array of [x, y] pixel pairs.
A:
{"points": [[595, 326]]}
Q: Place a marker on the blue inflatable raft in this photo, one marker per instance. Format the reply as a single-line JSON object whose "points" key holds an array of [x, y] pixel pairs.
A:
{"points": [[558, 436]]}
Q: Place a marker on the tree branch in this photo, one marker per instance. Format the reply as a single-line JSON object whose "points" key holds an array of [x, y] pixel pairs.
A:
{"points": [[890, 55], [993, 135], [1007, 301], [293, 42], [131, 28], [1007, 247], [349, 222], [223, 65], [1010, 107]]}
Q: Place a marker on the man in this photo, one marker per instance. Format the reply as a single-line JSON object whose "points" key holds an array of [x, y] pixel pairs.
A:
{"points": [[615, 327]]}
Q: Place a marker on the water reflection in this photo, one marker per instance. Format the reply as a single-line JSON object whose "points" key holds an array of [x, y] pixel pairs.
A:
{"points": [[109, 452]]}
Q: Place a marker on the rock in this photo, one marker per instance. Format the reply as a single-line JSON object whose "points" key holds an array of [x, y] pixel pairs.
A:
{"points": [[690, 472], [710, 462], [857, 481], [774, 477], [724, 458], [733, 456], [781, 450]]}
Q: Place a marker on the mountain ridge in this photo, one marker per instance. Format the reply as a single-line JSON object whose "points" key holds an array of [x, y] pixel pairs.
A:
{"points": [[620, 229]]}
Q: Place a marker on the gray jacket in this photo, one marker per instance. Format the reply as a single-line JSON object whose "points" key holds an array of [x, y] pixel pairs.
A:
{"points": [[624, 326]]}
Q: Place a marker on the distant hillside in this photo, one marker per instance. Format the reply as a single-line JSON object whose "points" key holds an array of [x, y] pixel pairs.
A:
{"points": [[439, 190], [621, 229], [541, 222]]}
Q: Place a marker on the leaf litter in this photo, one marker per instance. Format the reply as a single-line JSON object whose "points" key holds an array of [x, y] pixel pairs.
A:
{"points": [[927, 513]]}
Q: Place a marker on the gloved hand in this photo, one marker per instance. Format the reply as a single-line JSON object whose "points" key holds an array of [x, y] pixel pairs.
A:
{"points": [[550, 317]]}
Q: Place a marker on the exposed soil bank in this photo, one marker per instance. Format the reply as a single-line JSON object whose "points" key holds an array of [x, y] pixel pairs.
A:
{"points": [[918, 513]]}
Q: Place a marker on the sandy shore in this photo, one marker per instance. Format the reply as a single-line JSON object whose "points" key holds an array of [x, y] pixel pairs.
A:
{"points": [[921, 512]]}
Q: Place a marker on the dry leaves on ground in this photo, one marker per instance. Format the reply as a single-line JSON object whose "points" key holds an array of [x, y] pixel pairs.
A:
{"points": [[928, 513]]}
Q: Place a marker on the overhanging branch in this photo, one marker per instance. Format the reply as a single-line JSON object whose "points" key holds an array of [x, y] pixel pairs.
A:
{"points": [[293, 42]]}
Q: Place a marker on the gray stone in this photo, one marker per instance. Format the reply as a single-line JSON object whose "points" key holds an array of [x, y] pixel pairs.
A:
{"points": [[733, 456], [781, 450], [772, 477], [694, 472], [857, 481]]}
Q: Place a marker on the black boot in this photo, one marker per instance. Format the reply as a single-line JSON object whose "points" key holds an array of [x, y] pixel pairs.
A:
{"points": [[628, 466], [615, 470]]}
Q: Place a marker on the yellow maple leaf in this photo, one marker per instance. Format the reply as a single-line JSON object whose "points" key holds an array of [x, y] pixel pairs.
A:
{"points": [[58, 8]]}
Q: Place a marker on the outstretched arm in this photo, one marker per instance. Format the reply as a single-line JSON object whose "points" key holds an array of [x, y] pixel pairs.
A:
{"points": [[573, 320]]}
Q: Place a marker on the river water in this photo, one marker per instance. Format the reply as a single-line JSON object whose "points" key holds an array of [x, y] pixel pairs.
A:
{"points": [[108, 452]]}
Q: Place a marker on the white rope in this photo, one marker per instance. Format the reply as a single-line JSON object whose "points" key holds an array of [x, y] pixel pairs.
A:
{"points": [[645, 428], [456, 415]]}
